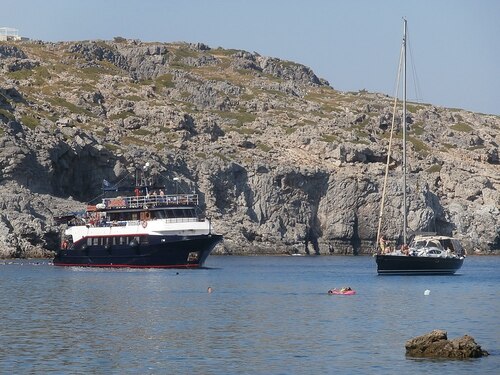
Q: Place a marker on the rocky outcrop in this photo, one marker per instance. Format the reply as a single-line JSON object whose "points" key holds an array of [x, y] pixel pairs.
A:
{"points": [[283, 163], [11, 51], [436, 345]]}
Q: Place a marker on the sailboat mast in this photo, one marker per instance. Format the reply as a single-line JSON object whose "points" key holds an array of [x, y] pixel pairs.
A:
{"points": [[405, 219]]}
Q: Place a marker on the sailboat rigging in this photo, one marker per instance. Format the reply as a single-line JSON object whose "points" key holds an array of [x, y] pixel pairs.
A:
{"points": [[426, 254]]}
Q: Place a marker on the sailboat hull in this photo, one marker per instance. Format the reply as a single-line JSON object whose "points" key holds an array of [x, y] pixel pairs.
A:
{"points": [[417, 265]]}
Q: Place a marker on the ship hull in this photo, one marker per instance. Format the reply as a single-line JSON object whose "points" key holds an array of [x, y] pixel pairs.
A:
{"points": [[415, 265], [156, 252]]}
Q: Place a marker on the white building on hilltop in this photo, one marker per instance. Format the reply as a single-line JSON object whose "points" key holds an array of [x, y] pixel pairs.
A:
{"points": [[8, 33]]}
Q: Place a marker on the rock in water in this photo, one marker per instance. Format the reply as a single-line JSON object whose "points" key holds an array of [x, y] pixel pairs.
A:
{"points": [[436, 345]]}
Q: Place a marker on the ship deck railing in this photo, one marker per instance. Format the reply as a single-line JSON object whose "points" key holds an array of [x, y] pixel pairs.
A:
{"points": [[126, 223], [146, 201]]}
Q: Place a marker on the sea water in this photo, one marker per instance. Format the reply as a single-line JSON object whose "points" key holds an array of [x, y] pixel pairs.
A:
{"points": [[265, 315]]}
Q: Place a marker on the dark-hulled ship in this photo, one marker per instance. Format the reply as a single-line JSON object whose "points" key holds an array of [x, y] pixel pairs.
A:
{"points": [[145, 230], [427, 255]]}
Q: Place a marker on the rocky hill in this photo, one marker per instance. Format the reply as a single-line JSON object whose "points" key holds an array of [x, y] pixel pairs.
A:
{"points": [[282, 161]]}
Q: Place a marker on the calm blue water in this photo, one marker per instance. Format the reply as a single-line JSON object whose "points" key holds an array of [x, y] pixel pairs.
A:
{"points": [[266, 315]]}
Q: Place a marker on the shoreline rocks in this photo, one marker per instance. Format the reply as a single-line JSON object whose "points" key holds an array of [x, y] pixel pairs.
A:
{"points": [[436, 345]]}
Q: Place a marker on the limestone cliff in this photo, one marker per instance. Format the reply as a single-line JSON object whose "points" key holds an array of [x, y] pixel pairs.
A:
{"points": [[282, 161]]}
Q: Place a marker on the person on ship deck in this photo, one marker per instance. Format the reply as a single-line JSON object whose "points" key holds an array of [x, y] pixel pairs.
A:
{"points": [[382, 243]]}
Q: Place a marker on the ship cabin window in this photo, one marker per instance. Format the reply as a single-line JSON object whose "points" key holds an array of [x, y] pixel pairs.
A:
{"points": [[173, 213], [447, 244], [159, 214], [435, 244], [123, 216], [190, 213], [125, 240]]}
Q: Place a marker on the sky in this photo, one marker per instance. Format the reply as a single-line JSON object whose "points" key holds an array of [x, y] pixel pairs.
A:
{"points": [[454, 45]]}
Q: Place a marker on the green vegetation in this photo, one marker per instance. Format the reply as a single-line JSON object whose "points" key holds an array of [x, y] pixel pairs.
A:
{"points": [[361, 142], [412, 108], [329, 138], [184, 95], [180, 53], [145, 82], [245, 72], [168, 135], [184, 51], [224, 52], [436, 168], [9, 116], [122, 115], [419, 146], [40, 74], [462, 127], [321, 114], [221, 156], [141, 132], [330, 108], [365, 122], [70, 106], [242, 130], [94, 73], [247, 96], [417, 128], [361, 135], [448, 146], [131, 140], [132, 98], [30, 121], [477, 147], [305, 122], [20, 74], [159, 146], [112, 147], [264, 147], [240, 117], [275, 92], [164, 81], [201, 155], [327, 98]]}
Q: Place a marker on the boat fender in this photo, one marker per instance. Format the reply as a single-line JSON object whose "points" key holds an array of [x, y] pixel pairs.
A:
{"points": [[144, 223], [133, 243]]}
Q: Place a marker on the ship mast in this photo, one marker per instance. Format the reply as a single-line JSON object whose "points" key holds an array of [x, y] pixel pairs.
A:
{"points": [[402, 55], [405, 210]]}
